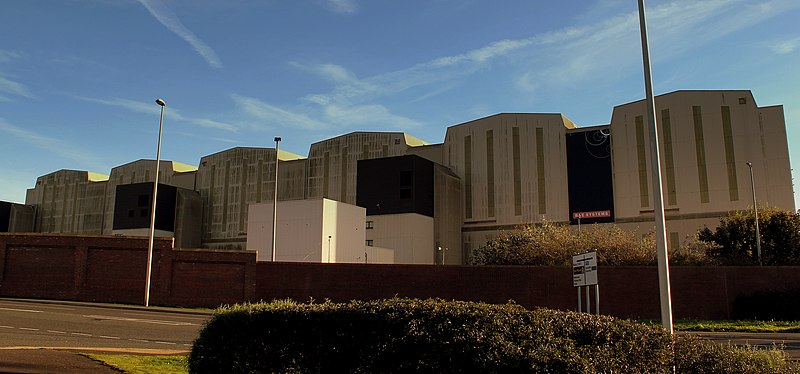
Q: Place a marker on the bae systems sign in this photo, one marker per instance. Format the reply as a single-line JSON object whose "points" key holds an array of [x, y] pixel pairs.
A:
{"points": [[593, 214]]}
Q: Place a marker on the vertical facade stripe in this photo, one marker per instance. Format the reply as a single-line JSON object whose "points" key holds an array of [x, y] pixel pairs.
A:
{"points": [[243, 197], [669, 158], [468, 176], [490, 172], [259, 179], [343, 192], [517, 173], [644, 195], [225, 196], [211, 200], [700, 149], [542, 193], [730, 155], [326, 172]]}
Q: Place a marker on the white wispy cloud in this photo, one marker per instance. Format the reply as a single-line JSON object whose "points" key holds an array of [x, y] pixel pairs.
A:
{"points": [[786, 46], [169, 113], [562, 57], [373, 115], [565, 55], [342, 6], [10, 88], [6, 56], [274, 116], [52, 145], [168, 18]]}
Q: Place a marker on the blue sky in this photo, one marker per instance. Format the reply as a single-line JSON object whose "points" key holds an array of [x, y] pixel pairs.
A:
{"points": [[78, 78]]}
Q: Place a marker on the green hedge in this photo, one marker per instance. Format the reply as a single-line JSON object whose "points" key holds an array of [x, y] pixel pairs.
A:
{"points": [[436, 336]]}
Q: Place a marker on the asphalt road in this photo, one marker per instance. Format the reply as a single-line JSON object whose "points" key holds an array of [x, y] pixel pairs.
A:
{"points": [[35, 323]]}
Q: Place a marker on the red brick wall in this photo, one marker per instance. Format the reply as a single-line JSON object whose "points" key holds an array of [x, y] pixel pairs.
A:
{"points": [[111, 269], [631, 292]]}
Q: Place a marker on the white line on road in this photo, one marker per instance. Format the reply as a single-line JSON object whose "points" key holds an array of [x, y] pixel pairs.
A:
{"points": [[80, 334], [139, 340], [21, 310], [153, 321], [188, 317], [6, 327], [57, 332], [170, 343], [28, 329], [109, 337]]}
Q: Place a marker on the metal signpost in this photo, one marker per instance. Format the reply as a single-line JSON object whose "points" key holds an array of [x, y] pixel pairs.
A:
{"points": [[584, 274]]}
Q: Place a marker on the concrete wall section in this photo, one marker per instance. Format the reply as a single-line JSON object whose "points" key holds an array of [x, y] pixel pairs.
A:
{"points": [[410, 235]]}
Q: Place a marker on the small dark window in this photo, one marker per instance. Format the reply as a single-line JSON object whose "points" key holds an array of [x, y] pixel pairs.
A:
{"points": [[405, 178], [742, 100], [369, 225], [369, 243], [144, 200]]}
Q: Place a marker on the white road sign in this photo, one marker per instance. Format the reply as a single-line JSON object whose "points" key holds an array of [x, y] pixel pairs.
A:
{"points": [[584, 269]]}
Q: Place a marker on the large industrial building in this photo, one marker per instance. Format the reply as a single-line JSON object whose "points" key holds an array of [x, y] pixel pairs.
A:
{"points": [[435, 203]]}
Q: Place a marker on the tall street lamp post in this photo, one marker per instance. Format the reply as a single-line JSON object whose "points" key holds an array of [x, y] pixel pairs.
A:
{"points": [[275, 201], [161, 103], [658, 196], [755, 213]]}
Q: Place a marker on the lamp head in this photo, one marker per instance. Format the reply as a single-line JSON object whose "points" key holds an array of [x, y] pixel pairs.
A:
{"points": [[160, 102], [277, 139], [750, 164]]}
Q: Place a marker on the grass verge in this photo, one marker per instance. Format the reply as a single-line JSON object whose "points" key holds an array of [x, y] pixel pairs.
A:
{"points": [[739, 326], [141, 364]]}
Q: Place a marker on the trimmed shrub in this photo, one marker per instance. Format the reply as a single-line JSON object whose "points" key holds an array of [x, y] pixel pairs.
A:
{"points": [[695, 355], [549, 244], [408, 335]]}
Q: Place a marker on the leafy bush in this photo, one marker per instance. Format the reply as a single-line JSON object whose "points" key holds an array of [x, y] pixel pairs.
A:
{"points": [[408, 335], [549, 244], [733, 241], [695, 355]]}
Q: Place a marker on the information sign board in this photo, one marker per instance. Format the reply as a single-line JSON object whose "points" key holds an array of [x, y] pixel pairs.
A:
{"points": [[584, 269]]}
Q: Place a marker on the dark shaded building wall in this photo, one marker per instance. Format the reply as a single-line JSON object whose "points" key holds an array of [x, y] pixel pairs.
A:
{"points": [[589, 174], [393, 185], [5, 215], [133, 202]]}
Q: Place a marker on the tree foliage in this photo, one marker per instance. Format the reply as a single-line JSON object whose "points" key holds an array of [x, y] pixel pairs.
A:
{"points": [[550, 244], [734, 240]]}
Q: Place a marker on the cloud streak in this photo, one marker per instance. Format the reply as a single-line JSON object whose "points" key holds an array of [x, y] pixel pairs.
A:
{"points": [[52, 145], [9, 88], [275, 116], [169, 113], [167, 18], [342, 6]]}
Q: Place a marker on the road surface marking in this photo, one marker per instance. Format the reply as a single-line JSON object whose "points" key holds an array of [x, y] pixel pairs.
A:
{"points": [[153, 321], [21, 310], [139, 340], [188, 317], [109, 337], [28, 329], [57, 332], [170, 343], [6, 327], [80, 334]]}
